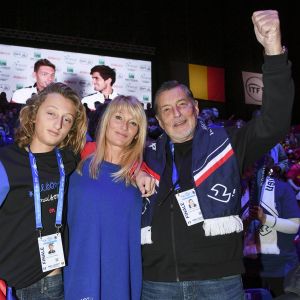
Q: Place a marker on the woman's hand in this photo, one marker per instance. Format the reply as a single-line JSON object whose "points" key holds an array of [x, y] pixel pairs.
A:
{"points": [[145, 183]]}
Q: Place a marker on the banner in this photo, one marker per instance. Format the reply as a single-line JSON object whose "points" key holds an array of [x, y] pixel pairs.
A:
{"points": [[207, 83], [133, 77], [253, 87]]}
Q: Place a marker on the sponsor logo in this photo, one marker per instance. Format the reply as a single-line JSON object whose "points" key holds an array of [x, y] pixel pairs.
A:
{"points": [[101, 61], [145, 89], [70, 60], [146, 76], [131, 66], [117, 66], [19, 86], [52, 58], [4, 87], [72, 82], [84, 83], [254, 88], [131, 75], [3, 63], [85, 61], [84, 72], [146, 81], [49, 198], [20, 77], [37, 55], [69, 74], [51, 210], [52, 185], [131, 88], [145, 67], [145, 98], [4, 77], [20, 54], [70, 70], [20, 66], [131, 78]]}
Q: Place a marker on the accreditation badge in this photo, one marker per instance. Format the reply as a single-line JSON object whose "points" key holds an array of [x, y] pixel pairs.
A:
{"points": [[190, 207], [51, 252]]}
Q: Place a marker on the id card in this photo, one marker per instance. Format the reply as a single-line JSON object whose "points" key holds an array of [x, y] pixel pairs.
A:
{"points": [[51, 252], [190, 207]]}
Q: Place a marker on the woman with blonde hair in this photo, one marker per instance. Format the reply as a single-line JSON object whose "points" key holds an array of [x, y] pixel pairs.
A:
{"points": [[34, 175], [104, 209]]}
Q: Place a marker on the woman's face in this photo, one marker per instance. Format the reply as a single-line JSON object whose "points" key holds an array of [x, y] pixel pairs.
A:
{"points": [[122, 128]]}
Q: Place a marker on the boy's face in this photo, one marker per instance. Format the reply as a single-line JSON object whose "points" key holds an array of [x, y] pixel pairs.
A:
{"points": [[54, 120]]}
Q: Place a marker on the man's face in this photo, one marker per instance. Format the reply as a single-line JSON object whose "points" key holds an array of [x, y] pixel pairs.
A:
{"points": [[44, 76], [177, 114], [99, 83]]}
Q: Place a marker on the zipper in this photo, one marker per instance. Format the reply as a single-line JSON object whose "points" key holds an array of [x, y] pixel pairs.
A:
{"points": [[173, 238]]}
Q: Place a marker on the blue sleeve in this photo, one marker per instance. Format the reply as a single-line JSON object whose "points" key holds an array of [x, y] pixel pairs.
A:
{"points": [[4, 184]]}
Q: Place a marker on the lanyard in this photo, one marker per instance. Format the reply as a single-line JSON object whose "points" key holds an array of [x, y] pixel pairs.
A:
{"points": [[175, 178], [37, 194]]}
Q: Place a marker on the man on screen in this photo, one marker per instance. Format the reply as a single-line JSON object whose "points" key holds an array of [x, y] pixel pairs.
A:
{"points": [[44, 74], [103, 78]]}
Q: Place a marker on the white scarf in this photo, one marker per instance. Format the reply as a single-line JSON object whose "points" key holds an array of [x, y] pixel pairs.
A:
{"points": [[267, 243], [268, 235]]}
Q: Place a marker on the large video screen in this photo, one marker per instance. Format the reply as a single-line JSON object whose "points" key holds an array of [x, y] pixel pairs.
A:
{"points": [[16, 68]]}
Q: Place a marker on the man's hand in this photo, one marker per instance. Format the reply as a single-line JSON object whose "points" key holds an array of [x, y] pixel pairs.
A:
{"points": [[267, 30], [145, 183]]}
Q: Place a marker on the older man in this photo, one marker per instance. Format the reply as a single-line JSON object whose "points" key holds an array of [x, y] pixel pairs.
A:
{"points": [[197, 254]]}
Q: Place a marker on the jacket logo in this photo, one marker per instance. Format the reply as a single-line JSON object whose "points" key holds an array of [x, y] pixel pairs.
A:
{"points": [[153, 146], [220, 193]]}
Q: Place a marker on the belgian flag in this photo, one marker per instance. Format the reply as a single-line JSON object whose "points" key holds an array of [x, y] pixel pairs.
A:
{"points": [[207, 83]]}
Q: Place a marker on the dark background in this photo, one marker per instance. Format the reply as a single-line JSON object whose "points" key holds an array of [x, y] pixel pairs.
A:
{"points": [[169, 33]]}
